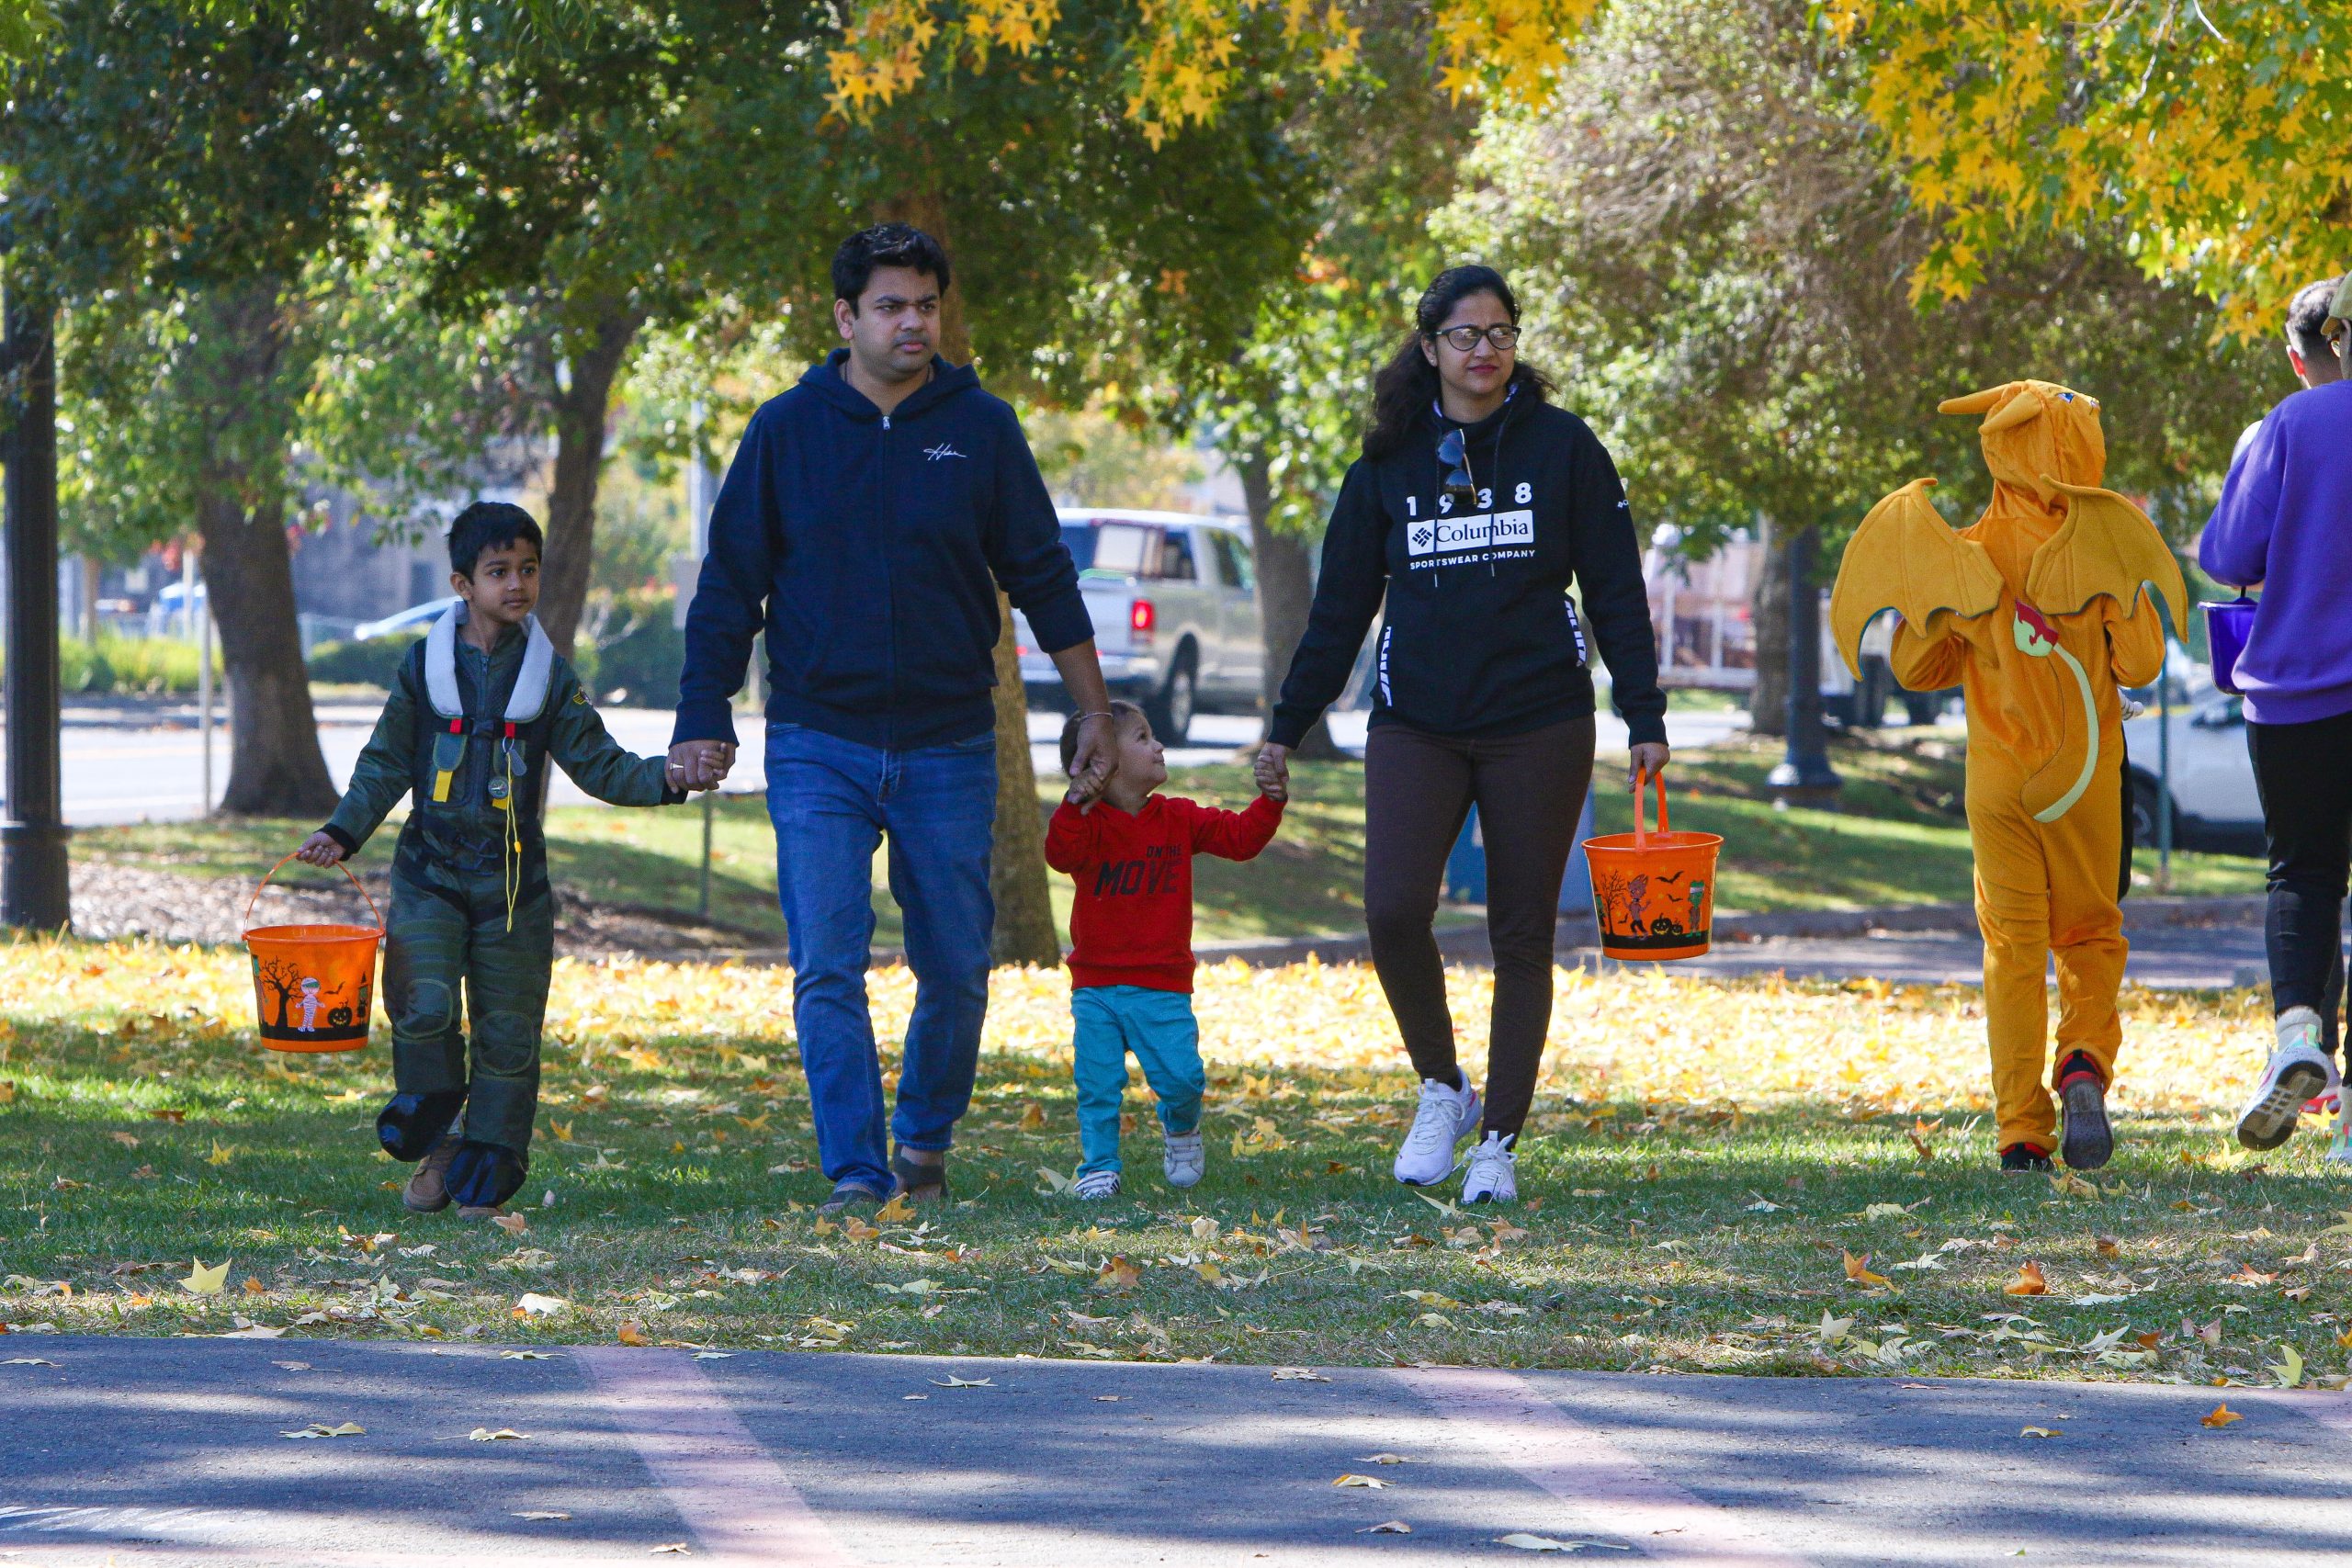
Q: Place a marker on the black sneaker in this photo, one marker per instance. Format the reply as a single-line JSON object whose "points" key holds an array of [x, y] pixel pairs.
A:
{"points": [[2089, 1142], [2024, 1157], [849, 1193]]}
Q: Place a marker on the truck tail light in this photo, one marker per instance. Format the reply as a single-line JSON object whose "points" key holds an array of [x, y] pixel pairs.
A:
{"points": [[1141, 620]]}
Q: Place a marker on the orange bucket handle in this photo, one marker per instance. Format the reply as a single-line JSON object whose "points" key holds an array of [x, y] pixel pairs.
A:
{"points": [[345, 869], [1641, 833]]}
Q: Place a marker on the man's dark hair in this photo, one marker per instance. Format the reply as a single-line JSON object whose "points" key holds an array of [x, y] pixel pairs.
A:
{"points": [[2307, 315], [489, 525], [1122, 713], [885, 244]]}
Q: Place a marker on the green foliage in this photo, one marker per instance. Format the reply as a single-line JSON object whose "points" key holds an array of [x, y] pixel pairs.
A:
{"points": [[636, 651], [1092, 458], [1718, 257], [119, 666], [373, 663]]}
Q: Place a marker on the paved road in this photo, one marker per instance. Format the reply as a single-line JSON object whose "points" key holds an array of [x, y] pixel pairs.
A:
{"points": [[118, 766], [168, 1451]]}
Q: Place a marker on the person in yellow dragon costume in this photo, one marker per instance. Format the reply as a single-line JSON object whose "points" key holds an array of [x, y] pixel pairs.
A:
{"points": [[2035, 611]]}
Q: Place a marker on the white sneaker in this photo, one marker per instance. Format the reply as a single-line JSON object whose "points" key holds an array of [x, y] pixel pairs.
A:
{"points": [[1445, 1118], [2297, 1071], [1493, 1177], [1185, 1158], [1096, 1185]]}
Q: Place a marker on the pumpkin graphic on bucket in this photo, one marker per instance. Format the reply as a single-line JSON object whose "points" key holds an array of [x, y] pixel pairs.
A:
{"points": [[314, 985], [1653, 894]]}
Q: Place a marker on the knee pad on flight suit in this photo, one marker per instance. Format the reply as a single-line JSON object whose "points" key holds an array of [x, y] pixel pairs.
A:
{"points": [[483, 1176], [412, 1123]]}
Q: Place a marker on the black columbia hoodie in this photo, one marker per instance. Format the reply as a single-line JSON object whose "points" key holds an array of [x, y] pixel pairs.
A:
{"points": [[871, 547], [1481, 638]]}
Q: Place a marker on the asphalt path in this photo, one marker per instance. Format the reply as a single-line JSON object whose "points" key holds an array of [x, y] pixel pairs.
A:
{"points": [[170, 1451], [125, 765]]}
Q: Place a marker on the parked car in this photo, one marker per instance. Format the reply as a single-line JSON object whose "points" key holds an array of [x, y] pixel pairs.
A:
{"points": [[2212, 798], [1175, 607], [415, 618]]}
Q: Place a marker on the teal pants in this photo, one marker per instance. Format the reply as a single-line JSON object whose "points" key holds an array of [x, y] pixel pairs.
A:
{"points": [[1157, 1026]]}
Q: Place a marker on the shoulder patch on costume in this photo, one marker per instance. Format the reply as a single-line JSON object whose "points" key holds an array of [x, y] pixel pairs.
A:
{"points": [[580, 695]]}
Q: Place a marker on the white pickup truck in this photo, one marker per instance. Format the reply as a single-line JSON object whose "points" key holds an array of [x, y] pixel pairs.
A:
{"points": [[1175, 608]]}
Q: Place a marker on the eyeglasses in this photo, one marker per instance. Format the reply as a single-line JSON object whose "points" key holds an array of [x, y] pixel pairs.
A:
{"points": [[1464, 339], [1453, 451]]}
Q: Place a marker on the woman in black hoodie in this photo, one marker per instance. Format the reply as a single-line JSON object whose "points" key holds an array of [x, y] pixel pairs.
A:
{"points": [[1473, 506]]}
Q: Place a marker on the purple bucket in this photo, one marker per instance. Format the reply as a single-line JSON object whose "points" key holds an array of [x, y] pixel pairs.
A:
{"points": [[2226, 625]]}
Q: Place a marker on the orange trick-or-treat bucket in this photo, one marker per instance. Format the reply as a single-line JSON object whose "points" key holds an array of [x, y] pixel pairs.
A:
{"points": [[1653, 894], [314, 985]]}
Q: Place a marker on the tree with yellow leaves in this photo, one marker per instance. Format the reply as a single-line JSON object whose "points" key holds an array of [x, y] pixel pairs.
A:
{"points": [[2212, 129]]}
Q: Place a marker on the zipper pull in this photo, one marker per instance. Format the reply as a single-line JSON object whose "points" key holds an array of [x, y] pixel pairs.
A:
{"points": [[886, 422]]}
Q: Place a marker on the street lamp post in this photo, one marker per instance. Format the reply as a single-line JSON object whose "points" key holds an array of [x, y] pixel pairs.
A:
{"points": [[1804, 772], [34, 890]]}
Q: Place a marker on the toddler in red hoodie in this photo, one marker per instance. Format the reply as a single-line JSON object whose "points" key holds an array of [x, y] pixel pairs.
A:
{"points": [[1130, 854]]}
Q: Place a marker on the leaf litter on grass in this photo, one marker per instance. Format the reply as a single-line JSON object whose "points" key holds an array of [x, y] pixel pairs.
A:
{"points": [[1658, 1248]]}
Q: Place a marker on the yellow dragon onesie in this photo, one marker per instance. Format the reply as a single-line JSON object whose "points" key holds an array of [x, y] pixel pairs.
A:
{"points": [[2034, 612]]}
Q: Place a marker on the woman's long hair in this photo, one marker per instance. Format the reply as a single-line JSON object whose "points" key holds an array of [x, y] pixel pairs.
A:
{"points": [[1408, 384]]}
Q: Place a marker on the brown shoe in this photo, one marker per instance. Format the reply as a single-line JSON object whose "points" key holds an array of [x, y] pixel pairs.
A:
{"points": [[478, 1212], [427, 1191]]}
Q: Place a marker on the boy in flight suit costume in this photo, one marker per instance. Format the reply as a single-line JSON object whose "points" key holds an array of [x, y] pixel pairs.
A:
{"points": [[2035, 611], [469, 734]]}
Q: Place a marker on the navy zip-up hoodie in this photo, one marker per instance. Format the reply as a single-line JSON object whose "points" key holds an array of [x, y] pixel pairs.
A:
{"points": [[876, 544], [1481, 638]]}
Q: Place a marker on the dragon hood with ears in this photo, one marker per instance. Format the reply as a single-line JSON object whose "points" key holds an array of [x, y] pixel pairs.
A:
{"points": [[2037, 611]]}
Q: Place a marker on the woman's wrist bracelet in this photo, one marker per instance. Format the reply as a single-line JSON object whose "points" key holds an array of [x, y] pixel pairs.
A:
{"points": [[1106, 713]]}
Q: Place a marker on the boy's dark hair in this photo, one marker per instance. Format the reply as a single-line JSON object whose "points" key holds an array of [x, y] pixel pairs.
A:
{"points": [[489, 525], [2307, 318], [885, 244], [1122, 713]]}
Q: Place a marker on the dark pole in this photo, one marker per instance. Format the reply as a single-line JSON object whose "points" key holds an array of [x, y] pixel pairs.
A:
{"points": [[1805, 767], [34, 891]]}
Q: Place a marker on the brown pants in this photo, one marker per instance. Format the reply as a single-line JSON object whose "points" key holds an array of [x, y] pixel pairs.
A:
{"points": [[1419, 787]]}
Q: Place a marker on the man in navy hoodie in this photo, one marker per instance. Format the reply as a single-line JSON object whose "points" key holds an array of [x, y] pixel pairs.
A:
{"points": [[866, 523]]}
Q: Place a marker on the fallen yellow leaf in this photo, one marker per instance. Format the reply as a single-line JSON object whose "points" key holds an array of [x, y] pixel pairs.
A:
{"points": [[1858, 1270], [255, 1287], [631, 1334], [221, 1153], [203, 1281], [897, 1212], [1033, 1117], [484, 1435], [2220, 1416], [2028, 1282], [1351, 1479], [2036, 1432], [1118, 1276], [512, 1224]]}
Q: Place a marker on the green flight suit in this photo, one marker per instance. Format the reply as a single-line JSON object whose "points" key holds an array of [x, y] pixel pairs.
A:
{"points": [[472, 926]]}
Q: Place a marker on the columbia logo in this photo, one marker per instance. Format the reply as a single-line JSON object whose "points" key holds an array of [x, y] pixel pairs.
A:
{"points": [[945, 449], [1421, 538]]}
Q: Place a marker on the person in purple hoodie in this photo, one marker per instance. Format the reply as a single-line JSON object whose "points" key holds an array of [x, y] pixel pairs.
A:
{"points": [[2285, 523]]}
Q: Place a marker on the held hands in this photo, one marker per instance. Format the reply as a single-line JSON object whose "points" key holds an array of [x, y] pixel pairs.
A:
{"points": [[318, 849], [1649, 757], [1271, 771], [1092, 760], [699, 764]]}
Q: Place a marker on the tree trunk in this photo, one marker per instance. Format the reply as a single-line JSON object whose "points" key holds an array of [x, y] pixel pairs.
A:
{"points": [[1768, 706], [1024, 907], [1286, 594], [581, 416], [275, 768]]}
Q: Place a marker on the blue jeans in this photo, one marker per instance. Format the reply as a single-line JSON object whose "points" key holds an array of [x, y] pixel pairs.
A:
{"points": [[1157, 1026], [832, 800]]}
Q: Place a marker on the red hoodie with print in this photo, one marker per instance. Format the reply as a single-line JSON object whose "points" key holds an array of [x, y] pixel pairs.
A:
{"points": [[1133, 923]]}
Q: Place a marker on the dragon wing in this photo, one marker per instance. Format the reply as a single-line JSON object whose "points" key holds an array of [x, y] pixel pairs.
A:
{"points": [[2106, 546], [1906, 557]]}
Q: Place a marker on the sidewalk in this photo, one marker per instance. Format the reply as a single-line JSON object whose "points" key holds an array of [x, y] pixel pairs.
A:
{"points": [[170, 1451]]}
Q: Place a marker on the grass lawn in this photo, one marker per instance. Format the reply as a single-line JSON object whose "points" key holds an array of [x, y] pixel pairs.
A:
{"points": [[1897, 838], [1717, 1177], [1308, 882]]}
